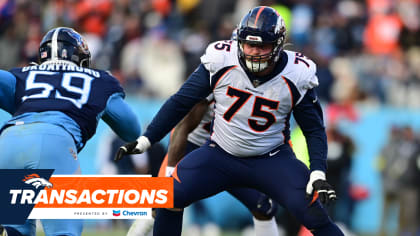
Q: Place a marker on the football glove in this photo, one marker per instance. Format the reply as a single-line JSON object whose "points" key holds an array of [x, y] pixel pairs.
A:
{"points": [[136, 147], [317, 182]]}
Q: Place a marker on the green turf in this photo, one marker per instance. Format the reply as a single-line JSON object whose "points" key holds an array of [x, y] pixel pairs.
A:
{"points": [[123, 232]]}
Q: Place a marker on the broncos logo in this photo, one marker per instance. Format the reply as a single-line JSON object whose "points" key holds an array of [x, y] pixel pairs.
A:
{"points": [[36, 181]]}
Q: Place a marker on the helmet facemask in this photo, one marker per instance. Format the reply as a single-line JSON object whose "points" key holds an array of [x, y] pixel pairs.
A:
{"points": [[259, 63]]}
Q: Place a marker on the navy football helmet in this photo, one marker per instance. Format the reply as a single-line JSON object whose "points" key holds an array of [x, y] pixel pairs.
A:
{"points": [[64, 43], [262, 25]]}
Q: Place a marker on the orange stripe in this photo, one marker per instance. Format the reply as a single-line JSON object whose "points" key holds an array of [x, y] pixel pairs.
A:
{"points": [[175, 174], [258, 15], [162, 170], [314, 198], [290, 90]]}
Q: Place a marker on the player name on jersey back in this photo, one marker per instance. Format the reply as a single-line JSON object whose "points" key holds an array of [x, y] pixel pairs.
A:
{"points": [[62, 67]]}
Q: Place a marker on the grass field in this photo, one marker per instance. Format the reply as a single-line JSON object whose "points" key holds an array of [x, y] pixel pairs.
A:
{"points": [[121, 231]]}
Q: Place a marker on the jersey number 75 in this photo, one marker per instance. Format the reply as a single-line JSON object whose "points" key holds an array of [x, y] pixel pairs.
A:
{"points": [[257, 111]]}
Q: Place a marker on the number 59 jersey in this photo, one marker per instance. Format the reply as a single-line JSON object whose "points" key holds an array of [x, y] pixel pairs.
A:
{"points": [[252, 118], [80, 93]]}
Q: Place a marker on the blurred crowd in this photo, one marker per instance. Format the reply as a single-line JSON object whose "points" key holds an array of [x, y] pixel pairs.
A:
{"points": [[367, 51], [400, 169]]}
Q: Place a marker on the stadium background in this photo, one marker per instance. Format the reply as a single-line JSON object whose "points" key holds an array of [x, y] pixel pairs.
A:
{"points": [[367, 52]]}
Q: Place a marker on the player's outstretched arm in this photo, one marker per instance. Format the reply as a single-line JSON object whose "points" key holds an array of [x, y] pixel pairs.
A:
{"points": [[121, 118], [195, 89], [180, 134], [178, 139]]}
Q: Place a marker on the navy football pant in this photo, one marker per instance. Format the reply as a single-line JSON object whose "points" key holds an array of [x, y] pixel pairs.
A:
{"points": [[209, 170], [255, 201]]}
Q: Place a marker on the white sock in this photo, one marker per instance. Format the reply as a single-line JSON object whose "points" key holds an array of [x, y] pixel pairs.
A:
{"points": [[141, 227], [265, 227], [169, 170]]}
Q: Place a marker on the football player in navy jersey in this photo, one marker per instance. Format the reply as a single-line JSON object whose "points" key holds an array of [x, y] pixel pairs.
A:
{"points": [[55, 108], [257, 86]]}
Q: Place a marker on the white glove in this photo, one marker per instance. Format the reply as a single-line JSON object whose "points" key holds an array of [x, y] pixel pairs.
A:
{"points": [[136, 147], [143, 144]]}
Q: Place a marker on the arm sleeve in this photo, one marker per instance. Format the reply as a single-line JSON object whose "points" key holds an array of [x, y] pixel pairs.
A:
{"points": [[308, 115], [121, 118], [7, 91], [196, 88]]}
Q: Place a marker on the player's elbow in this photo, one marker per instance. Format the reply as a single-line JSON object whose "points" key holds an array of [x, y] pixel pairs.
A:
{"points": [[131, 133]]}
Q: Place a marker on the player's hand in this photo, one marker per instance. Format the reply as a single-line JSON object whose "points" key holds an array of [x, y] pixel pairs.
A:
{"points": [[317, 182], [136, 147]]}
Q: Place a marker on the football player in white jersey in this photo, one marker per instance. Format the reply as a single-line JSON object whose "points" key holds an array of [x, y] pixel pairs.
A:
{"points": [[257, 86], [191, 133]]}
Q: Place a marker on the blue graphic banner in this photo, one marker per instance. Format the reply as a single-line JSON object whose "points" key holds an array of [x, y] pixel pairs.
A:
{"points": [[18, 190]]}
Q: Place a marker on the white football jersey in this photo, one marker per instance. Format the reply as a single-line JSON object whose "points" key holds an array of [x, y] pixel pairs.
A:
{"points": [[249, 120], [201, 134]]}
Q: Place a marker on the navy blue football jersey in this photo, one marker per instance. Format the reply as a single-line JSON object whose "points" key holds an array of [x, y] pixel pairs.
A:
{"points": [[80, 93]]}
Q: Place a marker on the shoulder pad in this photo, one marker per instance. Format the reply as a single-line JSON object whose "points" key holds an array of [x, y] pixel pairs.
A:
{"points": [[302, 70], [219, 54]]}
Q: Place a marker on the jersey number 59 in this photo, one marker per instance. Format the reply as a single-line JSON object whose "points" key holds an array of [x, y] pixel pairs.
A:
{"points": [[81, 92]]}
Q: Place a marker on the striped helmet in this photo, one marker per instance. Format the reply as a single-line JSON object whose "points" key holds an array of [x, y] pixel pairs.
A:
{"points": [[262, 25], [64, 43]]}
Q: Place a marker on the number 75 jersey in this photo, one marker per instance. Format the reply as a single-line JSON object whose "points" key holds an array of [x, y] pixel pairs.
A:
{"points": [[251, 118], [80, 93]]}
